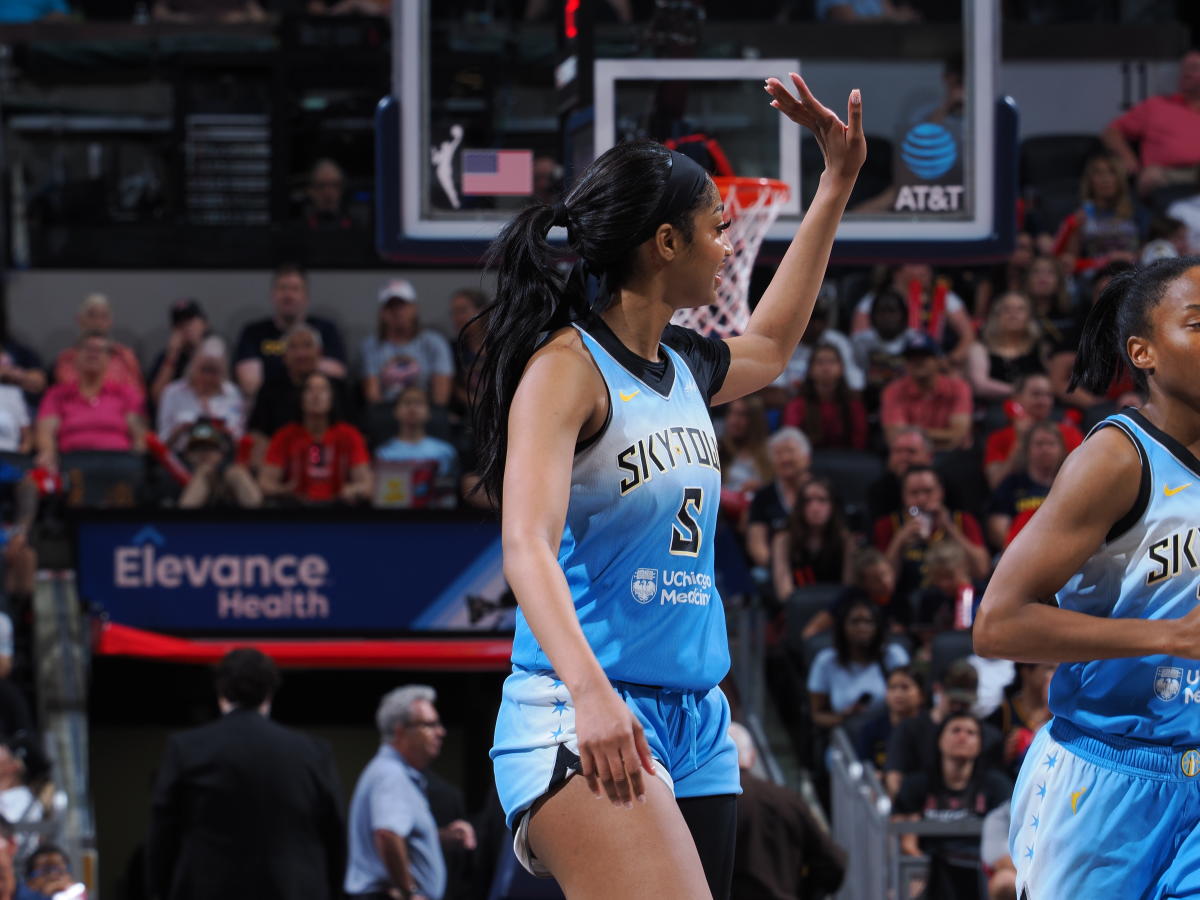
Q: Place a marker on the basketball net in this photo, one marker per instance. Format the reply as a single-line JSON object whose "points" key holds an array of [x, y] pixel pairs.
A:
{"points": [[752, 205]]}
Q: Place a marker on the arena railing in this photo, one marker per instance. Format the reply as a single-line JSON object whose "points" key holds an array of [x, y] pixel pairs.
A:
{"points": [[62, 643], [862, 825]]}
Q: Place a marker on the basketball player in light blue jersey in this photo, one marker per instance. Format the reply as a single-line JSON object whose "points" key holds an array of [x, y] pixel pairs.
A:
{"points": [[1104, 581], [593, 426]]}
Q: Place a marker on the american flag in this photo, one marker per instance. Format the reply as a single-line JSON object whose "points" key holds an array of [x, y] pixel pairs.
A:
{"points": [[493, 172]]}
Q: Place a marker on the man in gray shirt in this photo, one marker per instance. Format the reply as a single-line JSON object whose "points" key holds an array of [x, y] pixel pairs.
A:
{"points": [[394, 842]]}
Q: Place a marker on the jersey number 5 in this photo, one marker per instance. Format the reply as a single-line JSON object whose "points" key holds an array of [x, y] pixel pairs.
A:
{"points": [[685, 531]]}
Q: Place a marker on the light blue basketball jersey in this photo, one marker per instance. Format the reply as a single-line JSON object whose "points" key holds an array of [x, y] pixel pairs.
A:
{"points": [[637, 547], [1148, 570]]}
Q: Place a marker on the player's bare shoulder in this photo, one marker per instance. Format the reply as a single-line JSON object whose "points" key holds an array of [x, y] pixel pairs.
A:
{"points": [[563, 356], [1102, 477], [562, 373]]}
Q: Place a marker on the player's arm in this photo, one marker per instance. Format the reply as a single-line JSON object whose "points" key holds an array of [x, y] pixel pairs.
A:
{"points": [[757, 357], [1097, 486], [556, 397]]}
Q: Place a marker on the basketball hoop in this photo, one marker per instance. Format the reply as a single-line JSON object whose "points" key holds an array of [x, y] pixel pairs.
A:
{"points": [[752, 205]]}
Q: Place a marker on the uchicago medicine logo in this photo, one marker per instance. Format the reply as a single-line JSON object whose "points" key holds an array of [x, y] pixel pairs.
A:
{"points": [[244, 586]]}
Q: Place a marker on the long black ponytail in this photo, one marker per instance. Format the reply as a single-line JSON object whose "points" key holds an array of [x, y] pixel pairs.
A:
{"points": [[617, 204], [1122, 311]]}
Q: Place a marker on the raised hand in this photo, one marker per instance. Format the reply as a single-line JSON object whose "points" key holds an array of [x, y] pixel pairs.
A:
{"points": [[842, 145]]}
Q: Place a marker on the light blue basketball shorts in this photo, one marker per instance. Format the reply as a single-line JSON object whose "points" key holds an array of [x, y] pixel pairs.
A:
{"points": [[1105, 817], [536, 749]]}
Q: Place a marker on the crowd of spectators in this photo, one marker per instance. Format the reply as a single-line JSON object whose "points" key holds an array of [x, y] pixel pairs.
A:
{"points": [[948, 388], [287, 418], [903, 12]]}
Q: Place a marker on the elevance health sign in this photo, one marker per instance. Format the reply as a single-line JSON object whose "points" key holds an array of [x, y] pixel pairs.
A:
{"points": [[307, 571]]}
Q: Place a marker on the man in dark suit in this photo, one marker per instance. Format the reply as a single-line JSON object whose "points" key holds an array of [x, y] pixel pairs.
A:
{"points": [[243, 807]]}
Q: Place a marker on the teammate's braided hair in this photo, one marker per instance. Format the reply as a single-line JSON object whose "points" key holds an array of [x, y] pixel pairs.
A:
{"points": [[607, 214], [1121, 312]]}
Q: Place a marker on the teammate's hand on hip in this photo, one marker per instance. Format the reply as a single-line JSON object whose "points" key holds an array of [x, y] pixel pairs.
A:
{"points": [[612, 746], [1182, 636], [843, 146]]}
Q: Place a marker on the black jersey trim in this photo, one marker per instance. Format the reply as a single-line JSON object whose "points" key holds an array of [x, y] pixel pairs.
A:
{"points": [[658, 377], [1173, 446], [1131, 518], [686, 343], [594, 439]]}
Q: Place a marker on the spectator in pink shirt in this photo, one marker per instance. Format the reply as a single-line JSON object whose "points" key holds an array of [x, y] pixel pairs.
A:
{"points": [[96, 317], [1167, 131], [940, 404], [92, 412]]}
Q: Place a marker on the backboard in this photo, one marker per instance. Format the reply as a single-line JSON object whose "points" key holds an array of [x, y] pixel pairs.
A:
{"points": [[476, 127]]}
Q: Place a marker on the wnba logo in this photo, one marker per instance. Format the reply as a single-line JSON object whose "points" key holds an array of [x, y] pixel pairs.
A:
{"points": [[644, 585]]}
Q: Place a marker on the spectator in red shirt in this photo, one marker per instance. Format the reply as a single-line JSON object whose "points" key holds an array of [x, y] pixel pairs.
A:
{"points": [[319, 459], [923, 521], [826, 409], [1032, 402], [1167, 131], [90, 412], [939, 403], [95, 317]]}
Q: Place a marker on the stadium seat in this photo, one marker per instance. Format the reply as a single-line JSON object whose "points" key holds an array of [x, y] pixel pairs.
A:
{"points": [[961, 472], [852, 472], [103, 478], [945, 649], [381, 423], [1051, 166], [805, 603], [877, 173], [815, 645], [851, 288], [1047, 157]]}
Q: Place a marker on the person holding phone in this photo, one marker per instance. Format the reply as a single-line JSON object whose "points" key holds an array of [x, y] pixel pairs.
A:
{"points": [[850, 678], [906, 536], [1032, 402]]}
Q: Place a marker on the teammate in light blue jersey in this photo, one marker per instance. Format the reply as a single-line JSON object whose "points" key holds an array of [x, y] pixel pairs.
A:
{"points": [[593, 427], [1103, 580]]}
